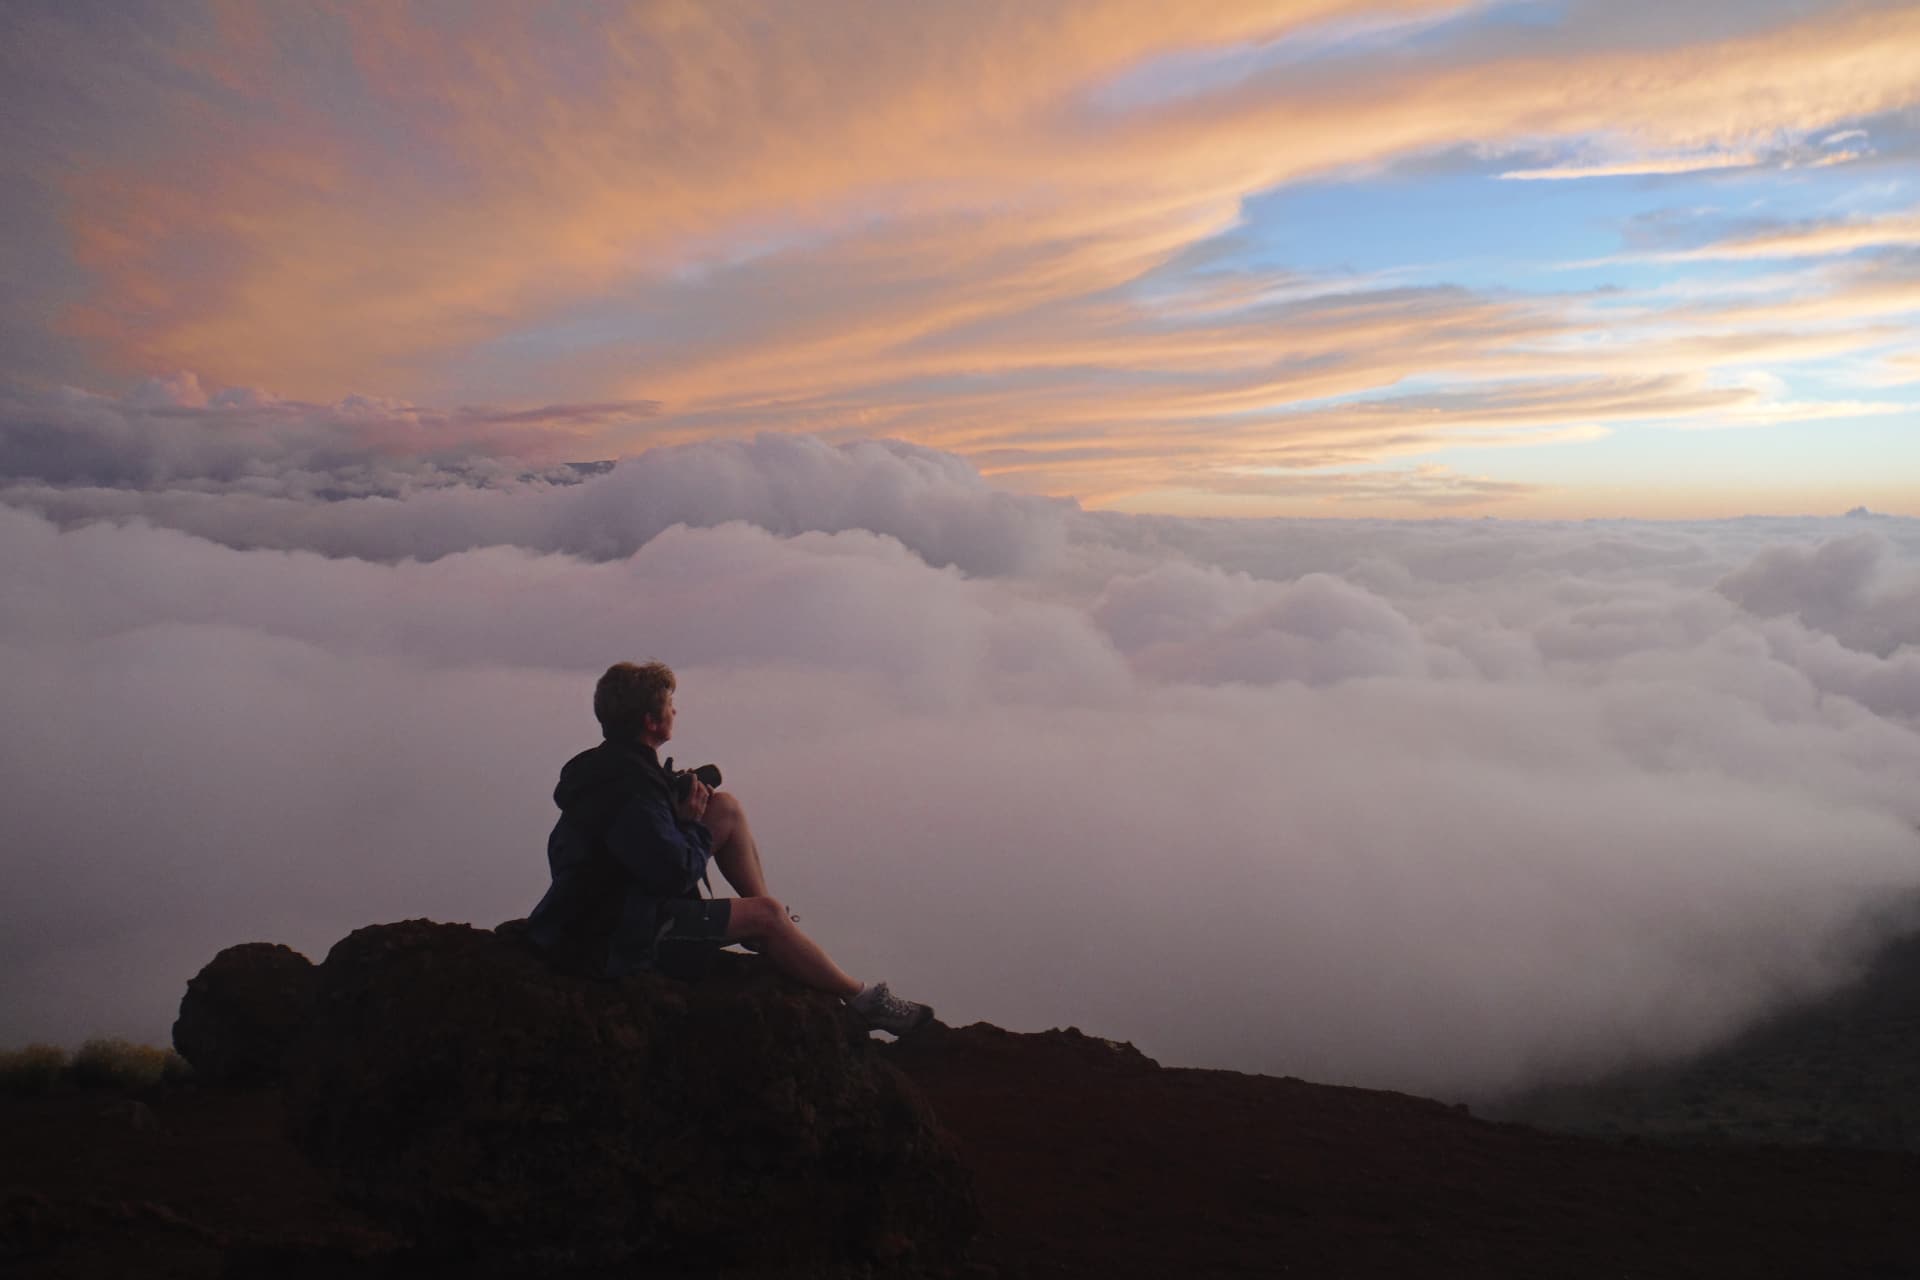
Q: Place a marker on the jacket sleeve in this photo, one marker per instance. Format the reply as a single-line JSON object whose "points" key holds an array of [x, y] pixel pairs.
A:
{"points": [[665, 859]]}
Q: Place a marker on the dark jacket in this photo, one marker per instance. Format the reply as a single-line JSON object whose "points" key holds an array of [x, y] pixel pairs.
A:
{"points": [[617, 855]]}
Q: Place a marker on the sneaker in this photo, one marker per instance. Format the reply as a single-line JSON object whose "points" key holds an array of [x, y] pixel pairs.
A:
{"points": [[882, 1010]]}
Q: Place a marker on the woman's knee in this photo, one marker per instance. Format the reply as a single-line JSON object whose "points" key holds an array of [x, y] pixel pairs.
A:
{"points": [[723, 817], [723, 805]]}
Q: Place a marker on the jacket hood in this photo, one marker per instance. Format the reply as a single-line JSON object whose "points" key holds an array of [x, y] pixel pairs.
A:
{"points": [[610, 764]]}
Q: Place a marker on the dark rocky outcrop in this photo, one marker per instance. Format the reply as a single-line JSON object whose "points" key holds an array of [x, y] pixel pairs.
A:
{"points": [[1090, 1160], [477, 1102], [243, 1011]]}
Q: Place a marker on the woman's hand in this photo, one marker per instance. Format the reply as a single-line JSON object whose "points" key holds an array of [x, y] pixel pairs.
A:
{"points": [[694, 807]]}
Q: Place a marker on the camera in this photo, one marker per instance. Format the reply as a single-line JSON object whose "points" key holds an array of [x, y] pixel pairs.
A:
{"points": [[681, 780]]}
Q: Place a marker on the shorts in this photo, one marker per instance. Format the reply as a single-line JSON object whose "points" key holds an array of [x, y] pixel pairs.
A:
{"points": [[696, 930], [695, 919]]}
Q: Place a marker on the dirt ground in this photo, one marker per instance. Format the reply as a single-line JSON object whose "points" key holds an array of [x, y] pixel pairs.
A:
{"points": [[1090, 1161], [1094, 1164]]}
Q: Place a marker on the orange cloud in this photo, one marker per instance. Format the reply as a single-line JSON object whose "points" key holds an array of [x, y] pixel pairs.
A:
{"points": [[922, 221], [1817, 240], [1632, 168], [544, 162]]}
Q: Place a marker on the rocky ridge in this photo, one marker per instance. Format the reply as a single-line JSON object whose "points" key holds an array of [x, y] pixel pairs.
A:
{"points": [[1084, 1156], [471, 1099]]}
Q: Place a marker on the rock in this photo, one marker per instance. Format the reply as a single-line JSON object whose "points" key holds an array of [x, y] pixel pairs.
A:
{"points": [[984, 1047], [132, 1113], [29, 1225], [243, 1011], [34, 1226], [470, 1098]]}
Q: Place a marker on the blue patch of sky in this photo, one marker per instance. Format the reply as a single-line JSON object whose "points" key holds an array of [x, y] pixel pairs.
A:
{"points": [[1456, 221], [1450, 220]]}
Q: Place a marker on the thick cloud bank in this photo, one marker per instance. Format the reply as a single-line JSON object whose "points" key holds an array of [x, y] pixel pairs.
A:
{"points": [[1443, 806], [381, 480]]}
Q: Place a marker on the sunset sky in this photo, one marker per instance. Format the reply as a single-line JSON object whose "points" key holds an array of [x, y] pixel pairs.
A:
{"points": [[1552, 258]]}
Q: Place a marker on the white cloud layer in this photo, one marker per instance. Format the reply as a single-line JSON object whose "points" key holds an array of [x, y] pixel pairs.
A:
{"points": [[1439, 806], [387, 481]]}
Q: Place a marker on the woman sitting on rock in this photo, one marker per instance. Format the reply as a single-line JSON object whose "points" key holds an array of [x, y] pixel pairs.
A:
{"points": [[630, 853]]}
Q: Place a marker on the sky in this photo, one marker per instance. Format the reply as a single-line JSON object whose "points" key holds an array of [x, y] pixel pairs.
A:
{"points": [[1548, 259], [1374, 542]]}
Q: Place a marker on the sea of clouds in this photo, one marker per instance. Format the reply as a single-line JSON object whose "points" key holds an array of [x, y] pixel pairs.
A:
{"points": [[1442, 806]]}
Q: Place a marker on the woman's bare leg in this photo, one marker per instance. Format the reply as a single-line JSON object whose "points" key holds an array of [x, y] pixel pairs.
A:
{"points": [[734, 850], [793, 953]]}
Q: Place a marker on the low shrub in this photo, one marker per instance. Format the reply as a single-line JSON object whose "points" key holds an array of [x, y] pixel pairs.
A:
{"points": [[35, 1069], [121, 1064]]}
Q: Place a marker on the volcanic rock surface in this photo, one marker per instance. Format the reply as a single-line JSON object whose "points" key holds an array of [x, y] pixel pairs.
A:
{"points": [[243, 1011], [476, 1102], [1090, 1159]]}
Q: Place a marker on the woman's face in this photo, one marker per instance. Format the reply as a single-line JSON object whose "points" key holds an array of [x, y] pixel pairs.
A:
{"points": [[660, 727]]}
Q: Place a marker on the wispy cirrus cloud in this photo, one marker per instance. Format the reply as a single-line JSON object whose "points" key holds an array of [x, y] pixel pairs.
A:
{"points": [[713, 134], [1901, 368], [1821, 239], [1437, 488], [1650, 166], [949, 228], [1886, 288]]}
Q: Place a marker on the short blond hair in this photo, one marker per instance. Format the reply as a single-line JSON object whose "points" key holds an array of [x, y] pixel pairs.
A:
{"points": [[628, 693]]}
